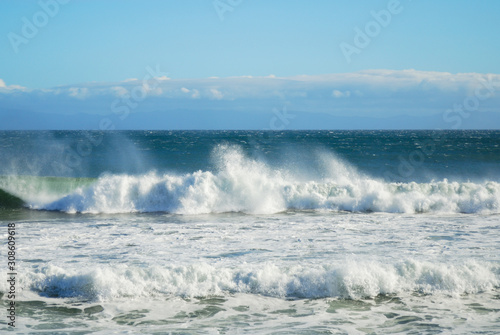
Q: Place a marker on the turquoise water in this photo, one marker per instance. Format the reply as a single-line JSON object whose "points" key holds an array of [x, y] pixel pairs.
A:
{"points": [[311, 232]]}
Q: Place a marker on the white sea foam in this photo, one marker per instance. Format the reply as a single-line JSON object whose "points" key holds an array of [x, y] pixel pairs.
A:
{"points": [[352, 280], [246, 185]]}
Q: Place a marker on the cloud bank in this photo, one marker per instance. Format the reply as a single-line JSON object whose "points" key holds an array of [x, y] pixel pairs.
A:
{"points": [[435, 99]]}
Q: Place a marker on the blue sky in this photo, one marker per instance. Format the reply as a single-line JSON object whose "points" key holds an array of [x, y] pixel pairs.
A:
{"points": [[93, 42]]}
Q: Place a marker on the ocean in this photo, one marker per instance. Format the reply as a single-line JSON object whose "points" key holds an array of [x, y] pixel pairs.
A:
{"points": [[250, 232]]}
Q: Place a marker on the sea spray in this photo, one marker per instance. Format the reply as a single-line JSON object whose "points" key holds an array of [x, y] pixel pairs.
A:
{"points": [[242, 184]]}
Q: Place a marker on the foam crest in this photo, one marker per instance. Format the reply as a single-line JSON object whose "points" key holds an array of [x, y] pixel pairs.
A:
{"points": [[242, 184], [352, 280]]}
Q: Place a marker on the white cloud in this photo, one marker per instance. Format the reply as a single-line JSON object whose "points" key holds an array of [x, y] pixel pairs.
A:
{"points": [[6, 88], [78, 92], [119, 90], [371, 92], [216, 94], [196, 94], [17, 87], [339, 94], [154, 89]]}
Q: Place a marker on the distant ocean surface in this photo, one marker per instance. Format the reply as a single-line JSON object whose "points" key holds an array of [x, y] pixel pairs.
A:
{"points": [[252, 232]]}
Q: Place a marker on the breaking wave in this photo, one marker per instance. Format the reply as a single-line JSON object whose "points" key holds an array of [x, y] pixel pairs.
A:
{"points": [[352, 280], [242, 184]]}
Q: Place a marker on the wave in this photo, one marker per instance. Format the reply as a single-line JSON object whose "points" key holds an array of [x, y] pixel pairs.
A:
{"points": [[8, 200], [19, 191], [241, 184], [352, 280]]}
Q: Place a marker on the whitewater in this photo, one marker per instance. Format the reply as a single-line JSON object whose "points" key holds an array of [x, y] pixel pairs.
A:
{"points": [[236, 232], [241, 184]]}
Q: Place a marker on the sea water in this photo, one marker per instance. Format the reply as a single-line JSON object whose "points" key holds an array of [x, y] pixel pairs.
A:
{"points": [[250, 232]]}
